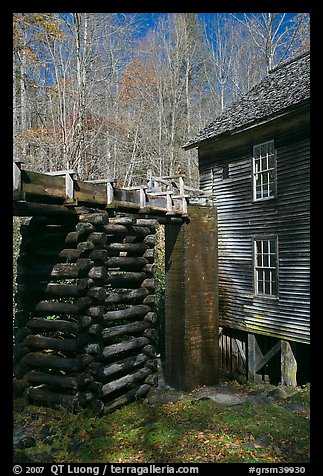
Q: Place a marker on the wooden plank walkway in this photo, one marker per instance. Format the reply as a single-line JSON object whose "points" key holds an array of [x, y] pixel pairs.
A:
{"points": [[62, 192]]}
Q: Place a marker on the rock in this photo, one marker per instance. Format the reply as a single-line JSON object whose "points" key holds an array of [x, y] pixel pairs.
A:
{"points": [[278, 393], [164, 397], [26, 442], [227, 399], [258, 400], [262, 441], [295, 407]]}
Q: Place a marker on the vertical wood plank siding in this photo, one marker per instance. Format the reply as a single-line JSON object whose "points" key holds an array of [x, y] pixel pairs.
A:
{"points": [[240, 220]]}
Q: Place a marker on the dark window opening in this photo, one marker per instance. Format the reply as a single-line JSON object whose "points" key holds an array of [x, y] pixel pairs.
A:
{"points": [[225, 171]]}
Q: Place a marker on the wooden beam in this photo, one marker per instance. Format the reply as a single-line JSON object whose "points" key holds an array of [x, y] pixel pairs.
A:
{"points": [[265, 358]]}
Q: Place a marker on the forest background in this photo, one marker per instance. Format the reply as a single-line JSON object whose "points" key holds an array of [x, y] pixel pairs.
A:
{"points": [[111, 95]]}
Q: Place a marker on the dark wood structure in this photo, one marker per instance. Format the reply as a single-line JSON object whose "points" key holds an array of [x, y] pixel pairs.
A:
{"points": [[85, 330], [191, 327], [255, 160]]}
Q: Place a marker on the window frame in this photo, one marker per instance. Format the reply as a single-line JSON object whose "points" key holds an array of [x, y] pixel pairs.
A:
{"points": [[262, 172], [271, 269]]}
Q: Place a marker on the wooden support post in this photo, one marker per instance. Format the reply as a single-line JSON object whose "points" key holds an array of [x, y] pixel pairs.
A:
{"points": [[251, 358], [288, 364], [191, 328], [142, 197], [255, 359], [17, 175]]}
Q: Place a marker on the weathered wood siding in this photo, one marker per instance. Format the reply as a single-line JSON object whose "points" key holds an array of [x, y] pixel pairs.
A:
{"points": [[240, 220], [191, 326]]}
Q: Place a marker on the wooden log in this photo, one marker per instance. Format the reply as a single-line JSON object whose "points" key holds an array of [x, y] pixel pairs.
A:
{"points": [[41, 252], [150, 255], [150, 240], [126, 263], [133, 248], [70, 254], [95, 388], [98, 293], [53, 343], [131, 279], [140, 231], [99, 255], [122, 347], [98, 272], [96, 311], [101, 218], [85, 247], [125, 381], [128, 313], [151, 300], [48, 307], [68, 327], [127, 398], [151, 334], [55, 289], [20, 369], [123, 220], [46, 397], [84, 229], [148, 222], [72, 382], [50, 361], [114, 229], [85, 321], [129, 239], [45, 238], [73, 237], [126, 329], [72, 270], [149, 284], [19, 387], [20, 334], [149, 350], [151, 364], [95, 330], [84, 360], [102, 372], [134, 296], [98, 238], [149, 269], [93, 348], [151, 317], [152, 380], [20, 350]]}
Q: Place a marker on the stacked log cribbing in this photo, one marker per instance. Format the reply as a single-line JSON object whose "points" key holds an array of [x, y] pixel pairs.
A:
{"points": [[85, 334]]}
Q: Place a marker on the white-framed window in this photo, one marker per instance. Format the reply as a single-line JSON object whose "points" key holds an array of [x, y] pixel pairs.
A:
{"points": [[265, 266], [264, 171]]}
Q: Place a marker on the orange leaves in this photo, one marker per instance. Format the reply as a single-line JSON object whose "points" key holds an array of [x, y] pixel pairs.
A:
{"points": [[138, 81]]}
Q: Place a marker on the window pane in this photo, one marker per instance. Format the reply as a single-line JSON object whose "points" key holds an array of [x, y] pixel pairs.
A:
{"points": [[264, 171], [265, 267]]}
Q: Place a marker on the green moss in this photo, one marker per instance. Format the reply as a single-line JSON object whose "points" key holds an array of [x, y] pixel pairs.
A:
{"points": [[185, 431]]}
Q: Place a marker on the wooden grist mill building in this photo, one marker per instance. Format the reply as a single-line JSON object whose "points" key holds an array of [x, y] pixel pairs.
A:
{"points": [[237, 263], [255, 161]]}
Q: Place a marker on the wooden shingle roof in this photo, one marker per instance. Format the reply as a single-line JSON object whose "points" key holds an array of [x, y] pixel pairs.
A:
{"points": [[285, 88]]}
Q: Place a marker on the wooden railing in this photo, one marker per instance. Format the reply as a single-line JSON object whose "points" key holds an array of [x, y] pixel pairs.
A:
{"points": [[61, 190]]}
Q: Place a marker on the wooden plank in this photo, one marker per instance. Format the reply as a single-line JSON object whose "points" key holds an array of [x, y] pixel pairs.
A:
{"points": [[53, 187], [265, 358]]}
